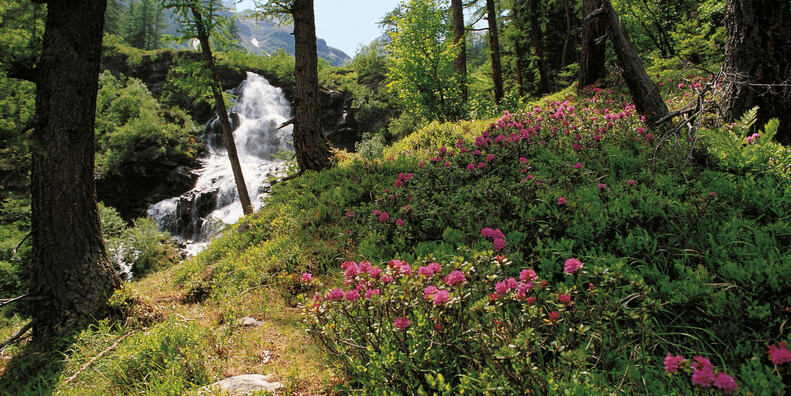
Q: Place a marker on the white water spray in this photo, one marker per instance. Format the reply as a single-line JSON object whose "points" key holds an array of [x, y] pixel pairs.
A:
{"points": [[195, 216]]}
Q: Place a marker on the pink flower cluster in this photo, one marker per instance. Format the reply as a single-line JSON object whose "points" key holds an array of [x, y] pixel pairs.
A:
{"points": [[402, 323], [522, 287], [703, 373], [779, 353], [454, 278], [497, 236], [571, 266], [402, 179], [429, 270]]}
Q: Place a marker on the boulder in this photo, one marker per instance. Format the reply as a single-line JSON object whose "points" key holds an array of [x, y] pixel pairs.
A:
{"points": [[242, 385]]}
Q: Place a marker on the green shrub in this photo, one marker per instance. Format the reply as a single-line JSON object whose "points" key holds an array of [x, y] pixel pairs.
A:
{"points": [[143, 247]]}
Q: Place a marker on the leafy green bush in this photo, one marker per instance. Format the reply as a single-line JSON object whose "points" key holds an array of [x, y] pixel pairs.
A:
{"points": [[143, 247], [466, 326], [132, 129]]}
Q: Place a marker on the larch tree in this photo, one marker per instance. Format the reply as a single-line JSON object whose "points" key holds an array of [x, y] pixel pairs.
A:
{"points": [[459, 32], [758, 61], [494, 48], [71, 278], [644, 91], [594, 45], [313, 150], [538, 49], [199, 17]]}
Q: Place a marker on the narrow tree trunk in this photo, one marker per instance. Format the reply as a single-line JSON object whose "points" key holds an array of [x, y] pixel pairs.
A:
{"points": [[71, 275], [519, 47], [758, 61], [593, 56], [310, 142], [222, 112], [538, 47], [458, 40], [494, 46], [567, 39], [644, 92]]}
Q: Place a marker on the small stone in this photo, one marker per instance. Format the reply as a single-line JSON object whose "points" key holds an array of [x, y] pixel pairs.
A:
{"points": [[242, 385], [249, 321]]}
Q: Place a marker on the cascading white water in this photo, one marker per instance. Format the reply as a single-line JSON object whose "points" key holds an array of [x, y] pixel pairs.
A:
{"points": [[194, 216]]}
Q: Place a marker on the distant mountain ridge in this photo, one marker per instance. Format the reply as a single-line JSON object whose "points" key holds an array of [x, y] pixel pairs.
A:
{"points": [[266, 37]]}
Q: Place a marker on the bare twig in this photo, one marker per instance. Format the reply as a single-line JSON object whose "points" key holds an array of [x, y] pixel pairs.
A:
{"points": [[97, 357], [24, 297], [16, 336]]}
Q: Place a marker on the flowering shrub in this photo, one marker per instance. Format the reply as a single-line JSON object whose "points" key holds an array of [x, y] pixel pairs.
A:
{"points": [[465, 325], [702, 373]]}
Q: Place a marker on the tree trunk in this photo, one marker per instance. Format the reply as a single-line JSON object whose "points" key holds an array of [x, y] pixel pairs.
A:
{"points": [[567, 39], [520, 52], [593, 57], [494, 47], [222, 112], [758, 61], [458, 40], [538, 47], [71, 276], [310, 142], [644, 92]]}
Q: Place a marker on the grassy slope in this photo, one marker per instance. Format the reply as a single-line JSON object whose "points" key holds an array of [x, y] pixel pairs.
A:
{"points": [[715, 262]]}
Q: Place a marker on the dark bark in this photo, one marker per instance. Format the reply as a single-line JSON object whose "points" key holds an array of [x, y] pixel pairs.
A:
{"points": [[567, 39], [538, 48], [71, 277], [459, 41], [520, 51], [592, 59], [758, 61], [222, 112], [645, 93], [494, 47], [311, 144]]}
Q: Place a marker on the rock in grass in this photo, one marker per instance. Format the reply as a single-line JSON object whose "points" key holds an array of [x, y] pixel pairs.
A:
{"points": [[242, 385]]}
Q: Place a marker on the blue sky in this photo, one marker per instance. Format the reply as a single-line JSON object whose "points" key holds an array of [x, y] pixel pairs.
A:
{"points": [[346, 24]]}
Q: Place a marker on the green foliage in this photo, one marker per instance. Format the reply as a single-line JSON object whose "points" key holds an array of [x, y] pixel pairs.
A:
{"points": [[279, 67], [421, 55], [737, 149], [143, 24], [489, 339], [132, 128], [143, 246]]}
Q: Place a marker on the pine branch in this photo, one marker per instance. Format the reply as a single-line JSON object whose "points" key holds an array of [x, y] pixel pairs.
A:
{"points": [[16, 336]]}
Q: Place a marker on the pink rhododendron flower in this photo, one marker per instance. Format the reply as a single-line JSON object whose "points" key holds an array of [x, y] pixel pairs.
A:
{"points": [[601, 186], [564, 299], [631, 182], [399, 222], [726, 383], [455, 277], [672, 363], [571, 266], [441, 297], [490, 233], [352, 295], [364, 266], [528, 275], [562, 201], [501, 287], [352, 270], [398, 183], [490, 158], [530, 301], [578, 165], [470, 167], [370, 293], [523, 160], [498, 244], [335, 294], [384, 217], [307, 277], [429, 270], [779, 353], [375, 272], [553, 316], [401, 323], [702, 372], [386, 279], [429, 291]]}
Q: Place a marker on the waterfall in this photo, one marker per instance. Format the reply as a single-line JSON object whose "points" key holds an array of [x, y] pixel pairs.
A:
{"points": [[199, 214]]}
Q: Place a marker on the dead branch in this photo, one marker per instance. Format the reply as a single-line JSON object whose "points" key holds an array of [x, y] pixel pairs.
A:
{"points": [[287, 123], [97, 357], [16, 336], [24, 297]]}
